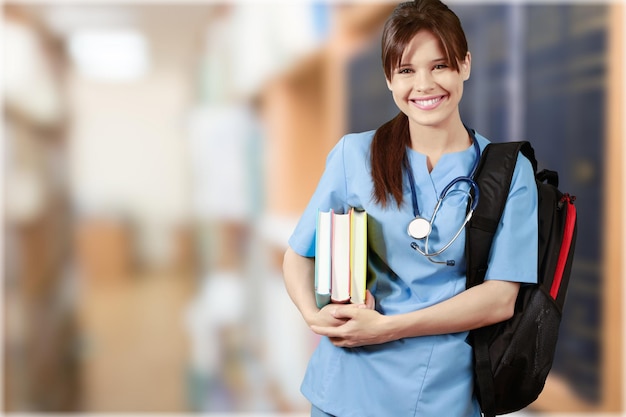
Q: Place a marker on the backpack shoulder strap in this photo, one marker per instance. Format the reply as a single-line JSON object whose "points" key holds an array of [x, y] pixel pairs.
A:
{"points": [[493, 176]]}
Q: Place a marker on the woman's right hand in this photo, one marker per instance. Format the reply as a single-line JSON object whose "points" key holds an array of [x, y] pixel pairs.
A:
{"points": [[325, 317], [370, 301]]}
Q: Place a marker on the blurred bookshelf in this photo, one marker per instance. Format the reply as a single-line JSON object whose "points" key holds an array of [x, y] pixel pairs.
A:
{"points": [[41, 369]]}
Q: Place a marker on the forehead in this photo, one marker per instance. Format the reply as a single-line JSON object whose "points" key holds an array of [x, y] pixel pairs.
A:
{"points": [[423, 46]]}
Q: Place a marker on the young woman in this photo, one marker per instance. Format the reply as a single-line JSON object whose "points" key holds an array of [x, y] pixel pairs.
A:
{"points": [[404, 352]]}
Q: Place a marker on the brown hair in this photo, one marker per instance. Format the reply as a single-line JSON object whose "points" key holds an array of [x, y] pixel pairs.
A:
{"points": [[388, 152]]}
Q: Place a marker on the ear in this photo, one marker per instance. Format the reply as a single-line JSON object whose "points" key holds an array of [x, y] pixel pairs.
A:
{"points": [[388, 83], [466, 67]]}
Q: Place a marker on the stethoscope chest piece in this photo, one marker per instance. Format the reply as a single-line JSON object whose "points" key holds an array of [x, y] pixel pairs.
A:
{"points": [[419, 228]]}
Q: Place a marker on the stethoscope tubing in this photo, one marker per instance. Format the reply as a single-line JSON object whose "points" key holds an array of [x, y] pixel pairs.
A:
{"points": [[447, 245], [473, 204]]}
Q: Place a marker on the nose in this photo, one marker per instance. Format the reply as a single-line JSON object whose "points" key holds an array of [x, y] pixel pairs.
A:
{"points": [[423, 81]]}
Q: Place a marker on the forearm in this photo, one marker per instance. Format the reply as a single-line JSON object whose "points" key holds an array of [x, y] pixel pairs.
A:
{"points": [[299, 276], [488, 303], [485, 304]]}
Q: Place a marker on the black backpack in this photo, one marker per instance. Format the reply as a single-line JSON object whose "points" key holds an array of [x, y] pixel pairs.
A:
{"points": [[512, 359]]}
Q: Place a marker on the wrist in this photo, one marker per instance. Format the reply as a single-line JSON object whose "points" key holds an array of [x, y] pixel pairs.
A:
{"points": [[392, 330], [309, 315], [398, 326]]}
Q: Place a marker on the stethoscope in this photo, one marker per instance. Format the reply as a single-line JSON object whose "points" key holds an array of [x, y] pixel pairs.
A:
{"points": [[420, 228]]}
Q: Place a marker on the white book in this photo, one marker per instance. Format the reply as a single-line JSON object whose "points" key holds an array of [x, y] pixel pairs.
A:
{"points": [[323, 243]]}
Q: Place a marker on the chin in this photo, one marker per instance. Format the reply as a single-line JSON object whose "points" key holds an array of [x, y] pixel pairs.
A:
{"points": [[434, 121]]}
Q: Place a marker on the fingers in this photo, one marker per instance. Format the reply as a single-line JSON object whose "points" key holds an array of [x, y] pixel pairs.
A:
{"points": [[370, 301], [341, 336], [327, 317], [336, 336], [340, 342], [344, 312], [347, 325], [330, 332]]}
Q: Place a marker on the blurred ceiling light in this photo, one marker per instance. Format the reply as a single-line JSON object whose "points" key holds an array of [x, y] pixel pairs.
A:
{"points": [[110, 54]]}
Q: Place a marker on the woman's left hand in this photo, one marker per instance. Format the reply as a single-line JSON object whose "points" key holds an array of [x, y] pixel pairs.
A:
{"points": [[363, 326]]}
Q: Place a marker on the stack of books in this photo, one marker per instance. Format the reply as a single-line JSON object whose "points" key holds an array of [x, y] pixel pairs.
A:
{"points": [[341, 257]]}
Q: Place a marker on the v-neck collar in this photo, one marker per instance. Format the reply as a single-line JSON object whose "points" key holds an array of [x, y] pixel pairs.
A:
{"points": [[430, 184]]}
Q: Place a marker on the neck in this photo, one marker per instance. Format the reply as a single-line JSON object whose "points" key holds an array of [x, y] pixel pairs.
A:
{"points": [[436, 141]]}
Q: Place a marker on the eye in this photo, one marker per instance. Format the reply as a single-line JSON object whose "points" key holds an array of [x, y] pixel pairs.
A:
{"points": [[404, 70], [440, 66]]}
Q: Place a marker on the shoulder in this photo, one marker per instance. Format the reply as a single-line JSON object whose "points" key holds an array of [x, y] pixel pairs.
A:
{"points": [[482, 141], [357, 142], [523, 163], [352, 147]]}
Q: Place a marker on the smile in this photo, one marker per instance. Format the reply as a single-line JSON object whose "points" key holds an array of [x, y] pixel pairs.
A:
{"points": [[428, 103]]}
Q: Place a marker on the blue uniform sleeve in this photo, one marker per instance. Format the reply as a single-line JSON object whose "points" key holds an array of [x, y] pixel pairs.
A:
{"points": [[330, 194], [514, 252]]}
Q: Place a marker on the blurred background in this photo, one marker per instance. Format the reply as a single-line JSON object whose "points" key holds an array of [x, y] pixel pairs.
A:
{"points": [[156, 157]]}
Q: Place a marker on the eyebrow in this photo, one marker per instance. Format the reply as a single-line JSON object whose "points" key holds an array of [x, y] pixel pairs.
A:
{"points": [[433, 61]]}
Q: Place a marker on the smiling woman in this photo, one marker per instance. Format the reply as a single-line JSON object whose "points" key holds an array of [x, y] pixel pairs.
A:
{"points": [[409, 338], [428, 89], [547, 72]]}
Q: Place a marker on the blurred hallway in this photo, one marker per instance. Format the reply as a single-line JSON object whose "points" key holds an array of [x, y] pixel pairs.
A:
{"points": [[157, 157], [134, 347]]}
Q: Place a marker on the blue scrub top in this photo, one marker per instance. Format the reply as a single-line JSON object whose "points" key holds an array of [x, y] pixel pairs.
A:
{"points": [[419, 376]]}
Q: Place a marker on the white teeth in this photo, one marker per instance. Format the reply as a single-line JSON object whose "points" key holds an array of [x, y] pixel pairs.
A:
{"points": [[426, 103]]}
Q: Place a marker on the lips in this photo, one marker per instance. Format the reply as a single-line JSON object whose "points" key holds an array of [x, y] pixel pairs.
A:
{"points": [[427, 103]]}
